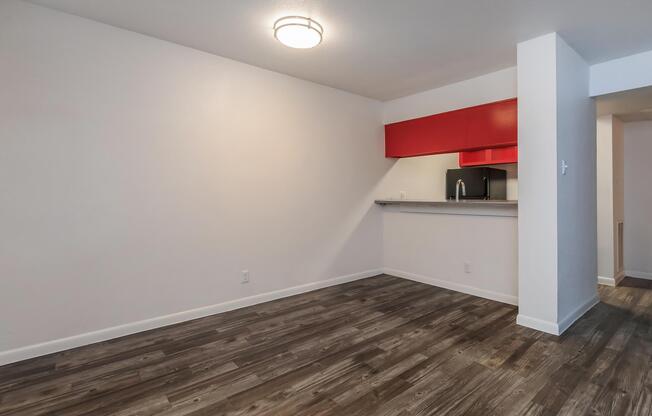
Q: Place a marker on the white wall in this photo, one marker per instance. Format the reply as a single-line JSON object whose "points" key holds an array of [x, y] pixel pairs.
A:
{"points": [[433, 247], [576, 190], [618, 186], [424, 177], [495, 86], [606, 268], [610, 205], [557, 213], [537, 222], [627, 73], [138, 178], [638, 199]]}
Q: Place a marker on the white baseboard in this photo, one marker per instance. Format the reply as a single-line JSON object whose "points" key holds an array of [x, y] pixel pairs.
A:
{"points": [[36, 350], [570, 319], [638, 275], [558, 328], [470, 290], [538, 324], [611, 281]]}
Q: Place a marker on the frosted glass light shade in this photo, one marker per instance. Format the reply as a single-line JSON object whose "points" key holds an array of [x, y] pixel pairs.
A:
{"points": [[298, 32]]}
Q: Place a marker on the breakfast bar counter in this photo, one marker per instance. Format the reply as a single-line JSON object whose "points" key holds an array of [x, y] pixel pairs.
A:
{"points": [[500, 208]]}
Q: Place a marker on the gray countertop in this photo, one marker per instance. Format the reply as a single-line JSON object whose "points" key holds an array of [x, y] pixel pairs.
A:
{"points": [[448, 203]]}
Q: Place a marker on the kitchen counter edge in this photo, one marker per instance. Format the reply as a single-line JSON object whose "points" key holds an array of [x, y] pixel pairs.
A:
{"points": [[449, 203]]}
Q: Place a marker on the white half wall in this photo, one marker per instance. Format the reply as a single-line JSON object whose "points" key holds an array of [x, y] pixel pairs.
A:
{"points": [[139, 178], [474, 254], [638, 199], [557, 211]]}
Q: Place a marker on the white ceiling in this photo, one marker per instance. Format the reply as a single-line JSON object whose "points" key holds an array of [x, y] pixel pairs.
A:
{"points": [[382, 49]]}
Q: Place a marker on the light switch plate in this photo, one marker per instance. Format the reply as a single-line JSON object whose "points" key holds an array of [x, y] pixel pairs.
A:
{"points": [[564, 167]]}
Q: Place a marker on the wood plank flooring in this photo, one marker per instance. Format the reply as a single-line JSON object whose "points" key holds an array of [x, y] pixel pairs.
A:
{"points": [[379, 346]]}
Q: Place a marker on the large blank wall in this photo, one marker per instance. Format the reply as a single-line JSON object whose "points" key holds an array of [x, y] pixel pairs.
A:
{"points": [[138, 178], [638, 199]]}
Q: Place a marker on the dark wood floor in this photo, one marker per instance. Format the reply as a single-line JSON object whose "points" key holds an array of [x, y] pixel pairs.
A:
{"points": [[380, 346]]}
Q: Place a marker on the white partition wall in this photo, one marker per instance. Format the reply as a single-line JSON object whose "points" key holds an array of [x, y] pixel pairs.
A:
{"points": [[537, 167], [557, 189]]}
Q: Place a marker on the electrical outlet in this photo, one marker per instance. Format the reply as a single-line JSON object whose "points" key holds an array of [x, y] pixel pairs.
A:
{"points": [[467, 267], [245, 277], [402, 195]]}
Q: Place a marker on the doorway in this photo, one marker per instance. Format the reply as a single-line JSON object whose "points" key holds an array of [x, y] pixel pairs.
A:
{"points": [[624, 176]]}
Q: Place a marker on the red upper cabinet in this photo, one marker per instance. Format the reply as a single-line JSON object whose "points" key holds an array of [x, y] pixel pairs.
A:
{"points": [[426, 135], [496, 156], [474, 128], [492, 125]]}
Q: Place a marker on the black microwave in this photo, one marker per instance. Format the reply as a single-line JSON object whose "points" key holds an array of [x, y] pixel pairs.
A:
{"points": [[476, 183]]}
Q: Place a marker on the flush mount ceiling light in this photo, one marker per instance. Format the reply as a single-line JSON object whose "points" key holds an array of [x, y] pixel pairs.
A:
{"points": [[298, 32]]}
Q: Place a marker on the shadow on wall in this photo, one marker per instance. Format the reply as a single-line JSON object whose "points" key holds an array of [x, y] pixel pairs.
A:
{"points": [[364, 225], [356, 244]]}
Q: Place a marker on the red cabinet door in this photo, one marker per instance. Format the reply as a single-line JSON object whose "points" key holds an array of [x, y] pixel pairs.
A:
{"points": [[492, 125], [439, 133]]}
